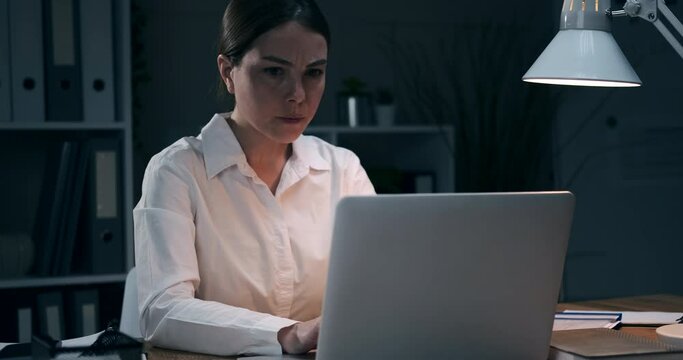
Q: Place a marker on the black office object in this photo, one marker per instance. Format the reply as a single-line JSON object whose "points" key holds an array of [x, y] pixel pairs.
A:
{"points": [[16, 317], [97, 60], [110, 342], [64, 209], [26, 57], [24, 323], [62, 60], [50, 209], [5, 79], [20, 351], [102, 237], [50, 309], [82, 312], [73, 206]]}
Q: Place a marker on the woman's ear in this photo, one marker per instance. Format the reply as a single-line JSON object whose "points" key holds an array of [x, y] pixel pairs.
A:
{"points": [[225, 67]]}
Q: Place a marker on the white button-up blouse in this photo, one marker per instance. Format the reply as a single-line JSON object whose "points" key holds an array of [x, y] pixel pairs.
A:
{"points": [[222, 263]]}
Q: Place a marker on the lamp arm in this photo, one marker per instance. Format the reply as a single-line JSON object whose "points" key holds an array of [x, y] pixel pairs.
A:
{"points": [[651, 10], [675, 23]]}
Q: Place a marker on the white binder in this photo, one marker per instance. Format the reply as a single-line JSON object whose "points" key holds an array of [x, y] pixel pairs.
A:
{"points": [[26, 44], [5, 80], [97, 60]]}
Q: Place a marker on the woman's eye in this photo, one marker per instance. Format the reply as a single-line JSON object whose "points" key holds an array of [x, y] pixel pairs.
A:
{"points": [[314, 72], [273, 71]]}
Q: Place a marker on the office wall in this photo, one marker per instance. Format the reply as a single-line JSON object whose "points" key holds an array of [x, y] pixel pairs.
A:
{"points": [[626, 238], [178, 45], [621, 152]]}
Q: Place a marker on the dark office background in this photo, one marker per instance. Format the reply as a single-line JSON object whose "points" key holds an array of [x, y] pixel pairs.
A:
{"points": [[460, 62]]}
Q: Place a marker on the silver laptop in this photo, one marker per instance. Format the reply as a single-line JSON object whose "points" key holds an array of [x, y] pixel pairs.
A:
{"points": [[445, 276]]}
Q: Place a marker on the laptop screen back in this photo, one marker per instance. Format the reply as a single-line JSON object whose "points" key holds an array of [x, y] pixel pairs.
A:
{"points": [[467, 276]]}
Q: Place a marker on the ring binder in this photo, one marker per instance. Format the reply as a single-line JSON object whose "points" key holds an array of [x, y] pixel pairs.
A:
{"points": [[63, 61], [5, 93], [97, 54], [104, 230], [26, 44]]}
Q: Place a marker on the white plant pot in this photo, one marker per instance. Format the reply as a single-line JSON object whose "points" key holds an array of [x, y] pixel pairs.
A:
{"points": [[385, 115]]}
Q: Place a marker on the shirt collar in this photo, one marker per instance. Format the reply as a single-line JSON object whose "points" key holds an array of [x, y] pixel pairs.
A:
{"points": [[305, 149], [222, 150], [220, 146]]}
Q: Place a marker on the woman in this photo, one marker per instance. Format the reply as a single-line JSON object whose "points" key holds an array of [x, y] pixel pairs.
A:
{"points": [[233, 229]]}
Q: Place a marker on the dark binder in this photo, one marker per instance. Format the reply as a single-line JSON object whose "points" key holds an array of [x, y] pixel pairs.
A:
{"points": [[50, 311], [5, 80], [103, 228], [62, 60], [78, 168], [64, 215], [17, 316], [49, 218], [26, 45], [97, 60], [82, 313], [24, 324]]}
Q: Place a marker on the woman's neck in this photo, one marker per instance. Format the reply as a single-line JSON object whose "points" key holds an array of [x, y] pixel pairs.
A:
{"points": [[265, 156], [256, 146]]}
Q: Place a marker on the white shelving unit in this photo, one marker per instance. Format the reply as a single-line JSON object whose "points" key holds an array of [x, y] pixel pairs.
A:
{"points": [[24, 147], [51, 126], [23, 150], [43, 282], [415, 148]]}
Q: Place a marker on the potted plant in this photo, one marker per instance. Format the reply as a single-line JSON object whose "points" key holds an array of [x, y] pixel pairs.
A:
{"points": [[385, 110], [354, 104]]}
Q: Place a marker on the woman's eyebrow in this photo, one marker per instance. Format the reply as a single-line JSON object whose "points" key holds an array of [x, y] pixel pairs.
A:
{"points": [[285, 62], [317, 63]]}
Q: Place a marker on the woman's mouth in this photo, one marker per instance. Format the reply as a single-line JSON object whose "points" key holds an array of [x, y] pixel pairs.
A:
{"points": [[292, 119]]}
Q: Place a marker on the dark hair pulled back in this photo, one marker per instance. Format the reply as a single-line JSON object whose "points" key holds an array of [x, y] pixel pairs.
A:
{"points": [[245, 20]]}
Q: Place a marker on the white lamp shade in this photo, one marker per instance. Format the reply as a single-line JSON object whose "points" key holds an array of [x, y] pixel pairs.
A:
{"points": [[583, 58]]}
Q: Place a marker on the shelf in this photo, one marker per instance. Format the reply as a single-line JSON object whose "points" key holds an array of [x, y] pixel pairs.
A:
{"points": [[411, 129], [61, 281], [49, 126]]}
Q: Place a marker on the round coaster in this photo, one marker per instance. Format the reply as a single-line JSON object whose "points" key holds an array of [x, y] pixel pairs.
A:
{"points": [[671, 334]]}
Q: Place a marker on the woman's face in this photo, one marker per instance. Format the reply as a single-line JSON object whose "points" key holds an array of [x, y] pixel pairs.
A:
{"points": [[279, 82]]}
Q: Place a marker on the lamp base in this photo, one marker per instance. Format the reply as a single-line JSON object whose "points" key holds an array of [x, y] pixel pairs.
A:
{"points": [[671, 334]]}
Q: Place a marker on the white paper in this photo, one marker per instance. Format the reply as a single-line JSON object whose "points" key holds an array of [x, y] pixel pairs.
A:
{"points": [[640, 317], [83, 341], [650, 317]]}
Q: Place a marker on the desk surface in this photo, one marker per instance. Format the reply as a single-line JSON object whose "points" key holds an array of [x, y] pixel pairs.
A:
{"points": [[662, 302]]}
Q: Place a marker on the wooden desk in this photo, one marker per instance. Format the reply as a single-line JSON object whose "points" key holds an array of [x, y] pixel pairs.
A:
{"points": [[165, 354], [662, 302]]}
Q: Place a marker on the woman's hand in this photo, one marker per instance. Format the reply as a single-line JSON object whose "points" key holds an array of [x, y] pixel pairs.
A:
{"points": [[299, 338]]}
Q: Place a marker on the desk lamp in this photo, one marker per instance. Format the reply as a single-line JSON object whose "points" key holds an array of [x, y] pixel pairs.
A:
{"points": [[584, 53]]}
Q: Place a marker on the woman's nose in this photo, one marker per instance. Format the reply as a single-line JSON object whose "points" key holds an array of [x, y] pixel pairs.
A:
{"points": [[296, 93]]}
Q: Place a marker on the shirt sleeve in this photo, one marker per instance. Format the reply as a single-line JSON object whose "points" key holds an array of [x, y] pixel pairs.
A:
{"points": [[357, 180], [168, 276]]}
